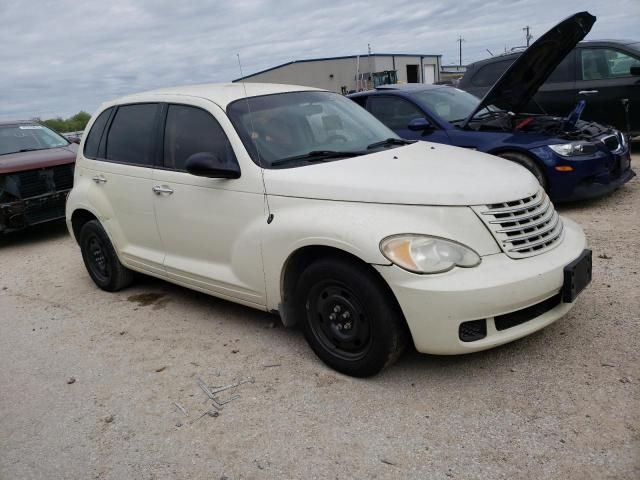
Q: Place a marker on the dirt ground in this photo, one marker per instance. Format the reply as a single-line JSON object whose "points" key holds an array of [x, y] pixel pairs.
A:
{"points": [[88, 382]]}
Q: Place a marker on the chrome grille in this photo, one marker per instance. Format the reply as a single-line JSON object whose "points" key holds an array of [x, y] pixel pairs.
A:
{"points": [[525, 227]]}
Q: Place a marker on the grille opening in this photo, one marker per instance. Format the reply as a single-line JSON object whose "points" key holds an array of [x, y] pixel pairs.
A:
{"points": [[524, 227], [519, 317], [472, 330]]}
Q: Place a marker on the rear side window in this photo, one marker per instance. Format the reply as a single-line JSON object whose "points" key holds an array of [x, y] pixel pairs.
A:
{"points": [[92, 145], [565, 71], [131, 134], [487, 75], [190, 130]]}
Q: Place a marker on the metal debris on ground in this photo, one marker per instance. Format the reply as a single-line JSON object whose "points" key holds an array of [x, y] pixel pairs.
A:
{"points": [[212, 393], [181, 408], [272, 365]]}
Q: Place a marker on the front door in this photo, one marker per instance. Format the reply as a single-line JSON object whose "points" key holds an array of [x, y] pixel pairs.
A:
{"points": [[210, 227], [604, 81]]}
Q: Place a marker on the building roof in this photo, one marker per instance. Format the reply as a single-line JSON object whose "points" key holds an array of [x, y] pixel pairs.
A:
{"points": [[220, 93], [336, 58]]}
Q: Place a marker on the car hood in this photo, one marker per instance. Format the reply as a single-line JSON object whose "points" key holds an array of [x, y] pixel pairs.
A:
{"points": [[17, 162], [517, 86], [419, 174]]}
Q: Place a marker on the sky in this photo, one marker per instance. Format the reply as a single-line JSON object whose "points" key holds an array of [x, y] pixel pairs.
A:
{"points": [[60, 57]]}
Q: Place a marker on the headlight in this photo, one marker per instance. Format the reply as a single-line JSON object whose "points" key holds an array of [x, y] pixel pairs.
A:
{"points": [[425, 254], [573, 149]]}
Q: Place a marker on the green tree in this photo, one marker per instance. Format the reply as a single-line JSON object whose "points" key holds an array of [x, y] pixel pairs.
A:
{"points": [[74, 123]]}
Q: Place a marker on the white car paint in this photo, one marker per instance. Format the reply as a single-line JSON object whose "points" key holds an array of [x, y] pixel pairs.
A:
{"points": [[212, 235]]}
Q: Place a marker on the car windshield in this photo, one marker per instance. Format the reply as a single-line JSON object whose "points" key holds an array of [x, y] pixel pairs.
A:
{"points": [[296, 128], [28, 137], [451, 104]]}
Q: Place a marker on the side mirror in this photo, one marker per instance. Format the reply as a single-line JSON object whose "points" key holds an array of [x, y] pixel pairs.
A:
{"points": [[207, 164], [634, 71], [420, 125]]}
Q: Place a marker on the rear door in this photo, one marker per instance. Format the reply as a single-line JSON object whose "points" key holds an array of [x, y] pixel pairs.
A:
{"points": [[210, 227], [121, 154], [558, 95]]}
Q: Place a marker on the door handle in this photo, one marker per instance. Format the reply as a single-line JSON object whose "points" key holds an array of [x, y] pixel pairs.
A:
{"points": [[99, 179], [160, 189], [587, 92]]}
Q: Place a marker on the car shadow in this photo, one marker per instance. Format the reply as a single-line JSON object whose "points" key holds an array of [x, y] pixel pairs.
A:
{"points": [[38, 233]]}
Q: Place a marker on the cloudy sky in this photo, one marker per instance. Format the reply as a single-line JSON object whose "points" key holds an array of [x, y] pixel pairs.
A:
{"points": [[59, 57]]}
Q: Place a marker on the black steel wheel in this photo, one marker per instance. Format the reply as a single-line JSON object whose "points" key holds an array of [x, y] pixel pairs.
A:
{"points": [[338, 321], [101, 260], [350, 318]]}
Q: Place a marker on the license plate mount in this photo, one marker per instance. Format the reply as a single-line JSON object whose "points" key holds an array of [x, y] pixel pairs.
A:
{"points": [[577, 275]]}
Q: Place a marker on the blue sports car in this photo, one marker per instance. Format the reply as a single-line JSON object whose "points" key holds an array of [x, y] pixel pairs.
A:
{"points": [[571, 158]]}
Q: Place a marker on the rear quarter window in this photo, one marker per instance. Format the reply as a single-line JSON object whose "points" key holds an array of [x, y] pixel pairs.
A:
{"points": [[92, 144]]}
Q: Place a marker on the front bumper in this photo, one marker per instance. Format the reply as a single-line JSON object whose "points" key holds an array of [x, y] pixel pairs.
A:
{"points": [[19, 214], [434, 306], [591, 177]]}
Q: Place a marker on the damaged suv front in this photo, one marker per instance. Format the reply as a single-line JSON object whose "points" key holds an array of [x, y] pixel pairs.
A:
{"points": [[36, 174]]}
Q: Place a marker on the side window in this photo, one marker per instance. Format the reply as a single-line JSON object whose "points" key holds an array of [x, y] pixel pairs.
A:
{"points": [[564, 72], [92, 145], [191, 130], [131, 134], [489, 74], [395, 113], [604, 63]]}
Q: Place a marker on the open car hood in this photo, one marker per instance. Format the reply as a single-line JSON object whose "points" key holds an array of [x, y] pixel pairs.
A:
{"points": [[517, 86]]}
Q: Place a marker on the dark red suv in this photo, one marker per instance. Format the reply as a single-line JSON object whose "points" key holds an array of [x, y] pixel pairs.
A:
{"points": [[36, 174]]}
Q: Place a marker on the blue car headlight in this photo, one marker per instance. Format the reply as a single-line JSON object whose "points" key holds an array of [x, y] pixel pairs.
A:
{"points": [[574, 149]]}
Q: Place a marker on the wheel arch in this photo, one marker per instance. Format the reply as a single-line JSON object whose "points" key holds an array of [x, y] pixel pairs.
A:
{"points": [[304, 256], [527, 153], [79, 217]]}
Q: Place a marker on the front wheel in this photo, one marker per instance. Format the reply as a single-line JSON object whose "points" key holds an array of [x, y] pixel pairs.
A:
{"points": [[349, 318], [529, 164]]}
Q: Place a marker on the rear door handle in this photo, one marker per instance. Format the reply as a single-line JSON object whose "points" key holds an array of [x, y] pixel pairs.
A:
{"points": [[587, 92], [99, 179], [160, 189]]}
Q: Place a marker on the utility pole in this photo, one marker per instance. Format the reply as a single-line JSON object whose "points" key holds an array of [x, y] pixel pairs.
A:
{"points": [[460, 40], [528, 36]]}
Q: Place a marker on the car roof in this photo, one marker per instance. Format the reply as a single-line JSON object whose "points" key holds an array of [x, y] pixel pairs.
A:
{"points": [[401, 88], [220, 93], [584, 43], [18, 122]]}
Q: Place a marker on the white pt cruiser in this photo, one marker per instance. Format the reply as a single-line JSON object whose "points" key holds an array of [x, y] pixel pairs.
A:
{"points": [[298, 201]]}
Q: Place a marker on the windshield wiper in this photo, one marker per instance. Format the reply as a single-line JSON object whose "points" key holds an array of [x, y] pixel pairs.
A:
{"points": [[390, 141], [316, 156]]}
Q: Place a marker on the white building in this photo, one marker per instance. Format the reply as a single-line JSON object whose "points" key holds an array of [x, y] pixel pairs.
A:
{"points": [[353, 72]]}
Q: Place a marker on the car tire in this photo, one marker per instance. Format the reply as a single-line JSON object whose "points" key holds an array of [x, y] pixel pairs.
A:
{"points": [[101, 260], [528, 163], [372, 332]]}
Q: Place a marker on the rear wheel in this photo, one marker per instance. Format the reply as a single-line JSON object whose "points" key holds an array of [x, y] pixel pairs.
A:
{"points": [[101, 260], [528, 163], [349, 319]]}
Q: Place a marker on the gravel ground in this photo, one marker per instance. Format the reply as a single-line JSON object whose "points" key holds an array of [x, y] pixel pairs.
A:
{"points": [[88, 380]]}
